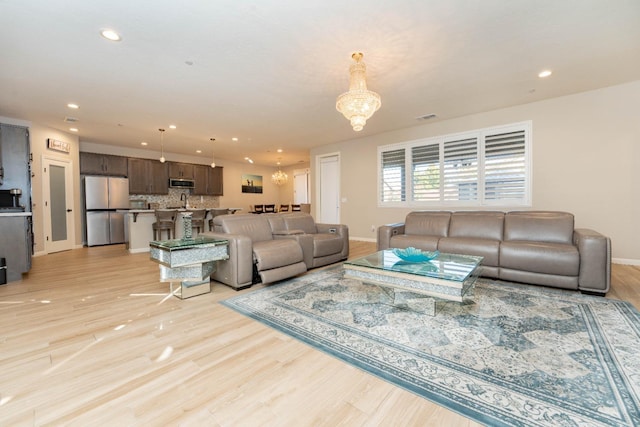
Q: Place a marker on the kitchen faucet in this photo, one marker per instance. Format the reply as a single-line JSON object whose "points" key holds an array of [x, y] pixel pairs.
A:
{"points": [[184, 197]]}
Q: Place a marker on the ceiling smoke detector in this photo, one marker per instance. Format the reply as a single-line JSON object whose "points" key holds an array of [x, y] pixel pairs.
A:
{"points": [[427, 117]]}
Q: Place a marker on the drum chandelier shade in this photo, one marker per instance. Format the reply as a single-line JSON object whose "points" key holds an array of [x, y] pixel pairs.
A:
{"points": [[358, 104]]}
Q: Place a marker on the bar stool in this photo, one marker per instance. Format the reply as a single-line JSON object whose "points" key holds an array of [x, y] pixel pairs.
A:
{"points": [[165, 221], [197, 219]]}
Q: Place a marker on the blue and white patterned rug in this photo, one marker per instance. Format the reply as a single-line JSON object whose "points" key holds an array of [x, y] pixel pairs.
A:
{"points": [[517, 356]]}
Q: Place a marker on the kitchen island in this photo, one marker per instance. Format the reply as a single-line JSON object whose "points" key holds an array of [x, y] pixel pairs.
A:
{"points": [[138, 226]]}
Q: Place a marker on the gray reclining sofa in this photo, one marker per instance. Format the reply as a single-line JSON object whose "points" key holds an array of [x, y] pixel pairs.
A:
{"points": [[535, 247], [270, 247]]}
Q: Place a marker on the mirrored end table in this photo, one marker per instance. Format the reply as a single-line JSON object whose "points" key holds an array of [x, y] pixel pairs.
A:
{"points": [[187, 264]]}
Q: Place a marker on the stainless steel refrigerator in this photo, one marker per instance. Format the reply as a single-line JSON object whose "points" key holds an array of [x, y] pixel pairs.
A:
{"points": [[102, 196]]}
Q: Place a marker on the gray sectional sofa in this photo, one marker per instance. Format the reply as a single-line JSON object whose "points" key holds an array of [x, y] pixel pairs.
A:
{"points": [[535, 247]]}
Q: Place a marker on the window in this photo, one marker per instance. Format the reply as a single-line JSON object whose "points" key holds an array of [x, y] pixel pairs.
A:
{"points": [[483, 167]]}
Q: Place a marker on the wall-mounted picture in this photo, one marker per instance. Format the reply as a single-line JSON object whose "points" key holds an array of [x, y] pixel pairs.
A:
{"points": [[252, 183]]}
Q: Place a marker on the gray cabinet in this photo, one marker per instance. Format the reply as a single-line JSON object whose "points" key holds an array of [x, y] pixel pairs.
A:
{"points": [[15, 161], [208, 180], [16, 244], [103, 164], [148, 176]]}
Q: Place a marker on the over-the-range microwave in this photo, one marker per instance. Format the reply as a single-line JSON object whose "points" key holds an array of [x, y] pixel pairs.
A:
{"points": [[181, 183]]}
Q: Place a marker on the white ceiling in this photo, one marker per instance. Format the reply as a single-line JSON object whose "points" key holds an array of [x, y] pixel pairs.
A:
{"points": [[268, 72]]}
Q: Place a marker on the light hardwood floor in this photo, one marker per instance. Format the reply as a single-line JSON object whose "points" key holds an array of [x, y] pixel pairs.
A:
{"points": [[90, 337]]}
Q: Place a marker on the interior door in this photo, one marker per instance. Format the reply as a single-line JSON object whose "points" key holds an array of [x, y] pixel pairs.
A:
{"points": [[329, 189], [301, 186], [58, 204]]}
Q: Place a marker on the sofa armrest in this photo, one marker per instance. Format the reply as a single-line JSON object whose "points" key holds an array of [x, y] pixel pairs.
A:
{"points": [[237, 271], [339, 229], [595, 260], [385, 232]]}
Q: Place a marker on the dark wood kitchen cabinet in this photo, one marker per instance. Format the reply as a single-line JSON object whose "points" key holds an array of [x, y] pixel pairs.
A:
{"points": [[208, 180], [103, 164], [148, 176], [181, 170]]}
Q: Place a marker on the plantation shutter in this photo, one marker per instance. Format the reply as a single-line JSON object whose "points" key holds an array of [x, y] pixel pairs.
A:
{"points": [[505, 166], [426, 172], [460, 170], [393, 173]]}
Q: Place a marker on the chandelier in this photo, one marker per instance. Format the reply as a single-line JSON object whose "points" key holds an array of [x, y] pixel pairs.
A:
{"points": [[358, 104], [279, 177]]}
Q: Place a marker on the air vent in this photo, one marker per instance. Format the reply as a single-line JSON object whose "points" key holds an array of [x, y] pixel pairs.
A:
{"points": [[427, 117], [71, 120]]}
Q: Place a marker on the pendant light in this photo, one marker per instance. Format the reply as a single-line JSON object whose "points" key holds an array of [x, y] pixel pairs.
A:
{"points": [[213, 158], [162, 159]]}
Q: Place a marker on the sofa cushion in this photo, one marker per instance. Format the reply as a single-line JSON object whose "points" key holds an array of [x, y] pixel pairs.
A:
{"points": [[427, 223], [300, 221], [540, 257], [488, 249], [327, 244], [256, 227], [276, 253], [478, 225], [539, 226], [426, 243]]}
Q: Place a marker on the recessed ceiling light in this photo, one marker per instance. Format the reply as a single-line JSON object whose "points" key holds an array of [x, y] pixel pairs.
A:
{"points": [[73, 129], [544, 73], [172, 126], [279, 150], [248, 160], [110, 35], [234, 139], [198, 151], [144, 143], [74, 106]]}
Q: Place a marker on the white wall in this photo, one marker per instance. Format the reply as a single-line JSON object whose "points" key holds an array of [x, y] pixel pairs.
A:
{"points": [[586, 152]]}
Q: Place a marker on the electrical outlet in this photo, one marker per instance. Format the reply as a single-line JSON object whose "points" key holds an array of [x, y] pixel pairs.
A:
{"points": [[373, 228]]}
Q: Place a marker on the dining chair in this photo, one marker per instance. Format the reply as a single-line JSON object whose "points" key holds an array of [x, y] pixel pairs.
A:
{"points": [[269, 208], [295, 208], [284, 208], [258, 209]]}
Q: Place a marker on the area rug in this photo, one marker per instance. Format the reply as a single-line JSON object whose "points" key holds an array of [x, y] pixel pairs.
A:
{"points": [[516, 356]]}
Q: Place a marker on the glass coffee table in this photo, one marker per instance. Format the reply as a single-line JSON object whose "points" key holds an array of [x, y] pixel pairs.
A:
{"points": [[447, 277]]}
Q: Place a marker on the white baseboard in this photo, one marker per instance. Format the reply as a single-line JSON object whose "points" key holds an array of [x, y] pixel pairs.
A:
{"points": [[138, 251], [625, 261], [363, 239]]}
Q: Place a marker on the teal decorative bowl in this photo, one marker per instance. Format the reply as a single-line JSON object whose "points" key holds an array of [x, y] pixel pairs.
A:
{"points": [[414, 255]]}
